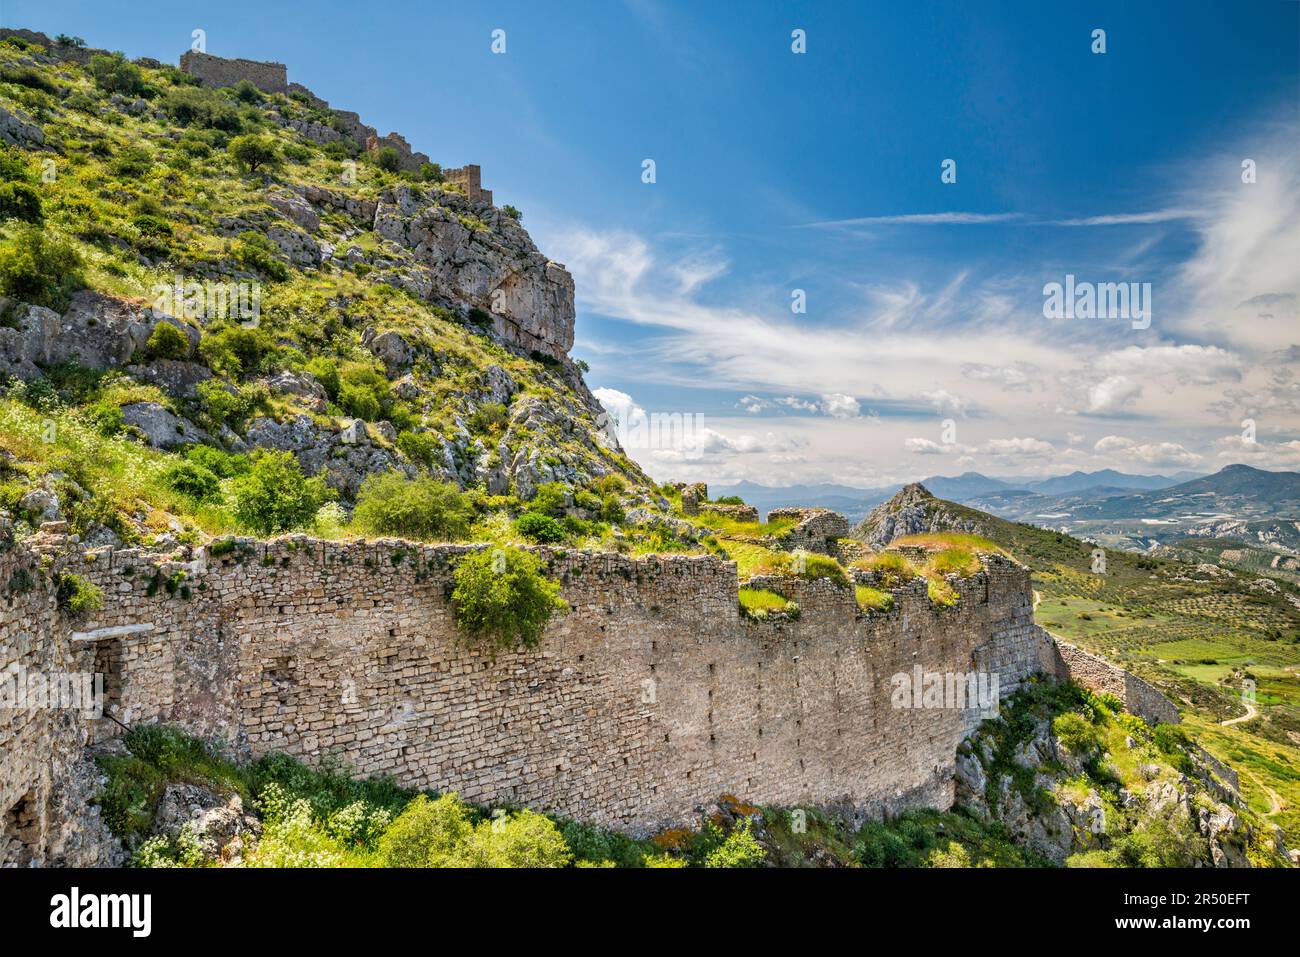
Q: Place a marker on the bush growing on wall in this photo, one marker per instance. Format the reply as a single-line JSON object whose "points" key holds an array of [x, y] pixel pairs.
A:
{"points": [[502, 598]]}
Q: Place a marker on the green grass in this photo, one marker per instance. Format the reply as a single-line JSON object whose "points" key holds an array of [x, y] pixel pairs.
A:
{"points": [[873, 599], [761, 603]]}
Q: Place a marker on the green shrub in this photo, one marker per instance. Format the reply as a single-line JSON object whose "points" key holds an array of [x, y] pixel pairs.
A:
{"points": [[254, 251], [550, 499], [79, 596], [167, 342], [525, 839], [21, 202], [217, 461], [428, 833], [512, 212], [422, 448], [230, 405], [1076, 733], [387, 158], [198, 106], [274, 496], [28, 77], [254, 151], [501, 597], [192, 479], [611, 510], [431, 172], [539, 528], [488, 418], [114, 73], [132, 162], [236, 350], [421, 508], [37, 269], [739, 849], [246, 92]]}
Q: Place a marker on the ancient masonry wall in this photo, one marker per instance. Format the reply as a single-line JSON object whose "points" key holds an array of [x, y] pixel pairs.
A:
{"points": [[222, 71], [45, 784], [1099, 675], [650, 697]]}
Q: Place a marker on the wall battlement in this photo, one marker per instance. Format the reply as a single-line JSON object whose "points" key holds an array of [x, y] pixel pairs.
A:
{"points": [[222, 71], [649, 698], [216, 71]]}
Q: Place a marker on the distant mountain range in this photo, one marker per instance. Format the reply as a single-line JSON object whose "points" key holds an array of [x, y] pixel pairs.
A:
{"points": [[968, 487]]}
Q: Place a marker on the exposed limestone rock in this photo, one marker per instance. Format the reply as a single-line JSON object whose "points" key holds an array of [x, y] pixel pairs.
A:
{"points": [[215, 824], [299, 248], [344, 457], [296, 208], [161, 428], [486, 262], [391, 349], [19, 130], [912, 511]]}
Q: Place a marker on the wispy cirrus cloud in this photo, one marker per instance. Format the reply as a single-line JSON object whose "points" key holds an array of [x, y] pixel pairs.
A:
{"points": [[919, 219], [1128, 219]]}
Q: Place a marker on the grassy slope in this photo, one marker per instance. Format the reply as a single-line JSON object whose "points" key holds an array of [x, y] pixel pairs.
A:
{"points": [[116, 175]]}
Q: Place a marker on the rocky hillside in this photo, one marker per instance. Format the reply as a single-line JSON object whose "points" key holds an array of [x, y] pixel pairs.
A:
{"points": [[913, 511], [192, 278], [1076, 780]]}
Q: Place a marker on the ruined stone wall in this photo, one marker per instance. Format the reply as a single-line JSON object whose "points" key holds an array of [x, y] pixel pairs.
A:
{"points": [[649, 698], [46, 783], [817, 529], [221, 71], [1099, 675]]}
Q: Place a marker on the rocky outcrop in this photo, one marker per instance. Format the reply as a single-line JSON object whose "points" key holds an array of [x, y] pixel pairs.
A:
{"points": [[346, 457], [1059, 800], [18, 130], [912, 511], [215, 826], [482, 258]]}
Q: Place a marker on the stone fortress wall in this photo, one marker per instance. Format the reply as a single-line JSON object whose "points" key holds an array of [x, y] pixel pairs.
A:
{"points": [[221, 71], [272, 77], [647, 700]]}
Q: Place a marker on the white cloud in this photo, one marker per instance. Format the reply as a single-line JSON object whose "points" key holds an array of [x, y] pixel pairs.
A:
{"points": [[922, 219], [1112, 393], [1151, 453], [1019, 448], [920, 446], [1124, 219], [839, 406]]}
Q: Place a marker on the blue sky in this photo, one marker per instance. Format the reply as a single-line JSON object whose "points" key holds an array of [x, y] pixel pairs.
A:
{"points": [[924, 347]]}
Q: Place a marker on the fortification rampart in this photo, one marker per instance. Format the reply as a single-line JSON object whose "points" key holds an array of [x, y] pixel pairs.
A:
{"points": [[223, 71], [648, 699]]}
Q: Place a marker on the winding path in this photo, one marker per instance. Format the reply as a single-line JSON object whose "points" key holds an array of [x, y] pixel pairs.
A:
{"points": [[1251, 712]]}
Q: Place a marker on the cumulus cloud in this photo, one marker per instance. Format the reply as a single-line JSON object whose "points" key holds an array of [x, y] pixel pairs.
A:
{"points": [[1019, 448], [1148, 453], [1112, 394]]}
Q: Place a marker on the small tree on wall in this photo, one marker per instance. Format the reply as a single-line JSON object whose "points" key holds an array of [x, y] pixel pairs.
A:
{"points": [[501, 598]]}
